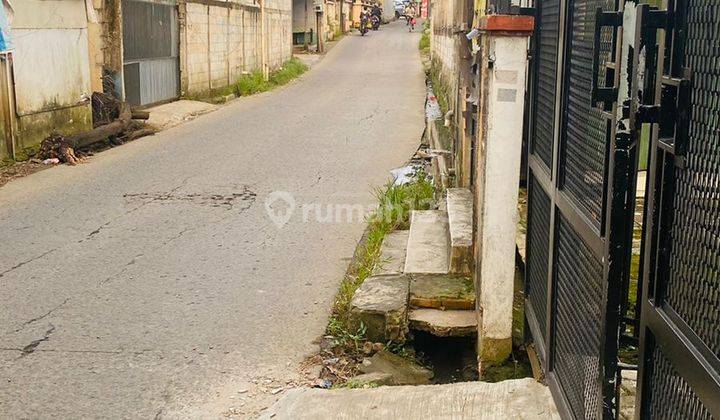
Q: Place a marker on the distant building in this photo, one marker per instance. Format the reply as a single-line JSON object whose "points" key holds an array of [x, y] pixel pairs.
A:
{"points": [[305, 22]]}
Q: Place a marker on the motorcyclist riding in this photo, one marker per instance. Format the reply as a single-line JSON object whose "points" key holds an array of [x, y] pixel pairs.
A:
{"points": [[364, 18], [376, 15]]}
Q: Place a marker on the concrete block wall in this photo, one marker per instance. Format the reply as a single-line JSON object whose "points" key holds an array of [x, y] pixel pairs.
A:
{"points": [[251, 41], [442, 41], [218, 20], [280, 38], [236, 41], [221, 42], [197, 69]]}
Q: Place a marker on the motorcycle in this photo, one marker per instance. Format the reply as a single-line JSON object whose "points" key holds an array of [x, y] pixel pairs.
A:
{"points": [[365, 25], [411, 23], [375, 22]]}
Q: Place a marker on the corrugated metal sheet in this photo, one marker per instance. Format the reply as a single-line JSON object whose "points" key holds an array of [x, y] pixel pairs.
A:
{"points": [[150, 51], [158, 80]]}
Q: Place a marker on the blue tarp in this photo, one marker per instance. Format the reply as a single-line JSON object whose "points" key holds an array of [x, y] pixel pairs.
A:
{"points": [[5, 39]]}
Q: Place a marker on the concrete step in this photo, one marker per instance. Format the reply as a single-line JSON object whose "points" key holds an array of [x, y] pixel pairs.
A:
{"points": [[392, 253], [428, 245], [380, 306], [442, 291], [460, 222], [511, 399], [454, 323]]}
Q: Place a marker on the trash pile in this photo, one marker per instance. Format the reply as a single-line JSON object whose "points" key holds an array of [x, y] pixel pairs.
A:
{"points": [[362, 365]]}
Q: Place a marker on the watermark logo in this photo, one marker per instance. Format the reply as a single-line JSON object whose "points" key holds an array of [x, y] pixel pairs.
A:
{"points": [[280, 206]]}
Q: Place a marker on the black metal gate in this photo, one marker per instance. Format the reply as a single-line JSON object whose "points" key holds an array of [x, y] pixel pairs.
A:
{"points": [[679, 375], [579, 209]]}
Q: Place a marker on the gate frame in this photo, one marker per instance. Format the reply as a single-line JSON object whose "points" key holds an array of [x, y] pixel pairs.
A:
{"points": [[611, 243], [690, 356]]}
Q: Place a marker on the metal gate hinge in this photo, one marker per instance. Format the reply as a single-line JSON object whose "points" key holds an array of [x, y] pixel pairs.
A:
{"points": [[605, 94], [613, 18], [658, 19], [648, 114]]}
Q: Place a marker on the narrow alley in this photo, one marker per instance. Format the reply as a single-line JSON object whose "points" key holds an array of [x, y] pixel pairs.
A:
{"points": [[150, 282]]}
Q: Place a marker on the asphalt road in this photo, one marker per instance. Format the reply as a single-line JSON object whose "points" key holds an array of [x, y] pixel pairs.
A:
{"points": [[150, 281]]}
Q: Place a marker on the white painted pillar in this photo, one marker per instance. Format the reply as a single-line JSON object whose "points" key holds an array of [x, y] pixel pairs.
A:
{"points": [[504, 63]]}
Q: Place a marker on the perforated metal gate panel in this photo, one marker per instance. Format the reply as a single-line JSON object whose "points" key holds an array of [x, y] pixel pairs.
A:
{"points": [[585, 132], [567, 276], [537, 260], [578, 322], [693, 287], [680, 324], [546, 68], [671, 397]]}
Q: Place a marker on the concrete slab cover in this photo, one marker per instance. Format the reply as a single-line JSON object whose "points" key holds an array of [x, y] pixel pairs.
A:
{"points": [[402, 370], [382, 294], [427, 249], [380, 307], [445, 291], [512, 399], [460, 216], [392, 253], [444, 323]]}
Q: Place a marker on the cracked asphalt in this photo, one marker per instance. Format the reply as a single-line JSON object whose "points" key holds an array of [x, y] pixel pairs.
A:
{"points": [[150, 281]]}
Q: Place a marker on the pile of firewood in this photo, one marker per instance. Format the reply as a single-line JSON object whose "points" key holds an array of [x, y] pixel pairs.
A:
{"points": [[113, 121], [55, 146]]}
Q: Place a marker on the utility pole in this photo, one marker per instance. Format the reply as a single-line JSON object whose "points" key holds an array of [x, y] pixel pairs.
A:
{"points": [[263, 43], [342, 17], [318, 24]]}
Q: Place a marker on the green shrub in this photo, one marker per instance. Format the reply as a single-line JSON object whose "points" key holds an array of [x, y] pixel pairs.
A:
{"points": [[289, 71], [250, 84], [424, 44]]}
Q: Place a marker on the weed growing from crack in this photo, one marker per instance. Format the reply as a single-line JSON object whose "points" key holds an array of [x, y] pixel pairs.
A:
{"points": [[395, 202]]}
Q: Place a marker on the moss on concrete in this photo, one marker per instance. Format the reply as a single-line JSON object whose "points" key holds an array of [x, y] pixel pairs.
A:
{"points": [[511, 369], [33, 129], [446, 291], [494, 351]]}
